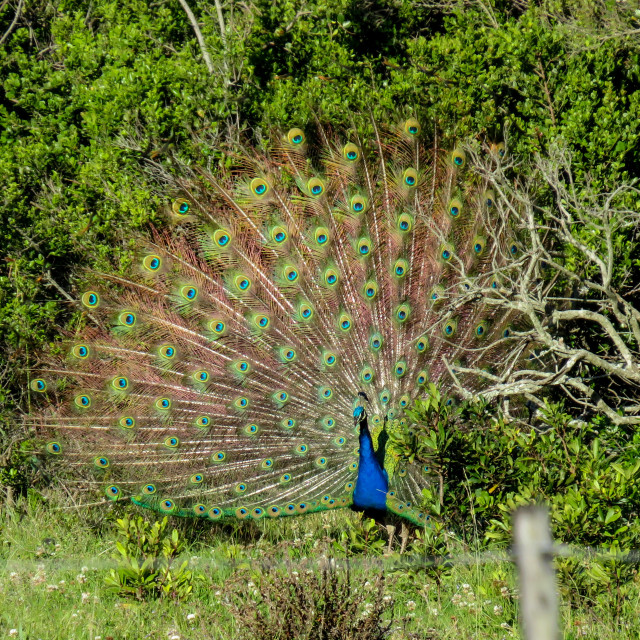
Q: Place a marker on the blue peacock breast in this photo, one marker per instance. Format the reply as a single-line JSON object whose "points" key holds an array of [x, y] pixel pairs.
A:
{"points": [[372, 483]]}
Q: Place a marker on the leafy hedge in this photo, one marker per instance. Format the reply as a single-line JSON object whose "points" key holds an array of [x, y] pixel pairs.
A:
{"points": [[92, 93]]}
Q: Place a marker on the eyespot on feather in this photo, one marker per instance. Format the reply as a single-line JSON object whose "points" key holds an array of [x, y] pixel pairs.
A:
{"points": [[412, 127], [449, 328], [259, 187], [455, 208], [358, 204], [222, 238], [81, 351], [90, 299], [402, 312], [364, 247], [410, 178], [39, 385], [400, 268], [405, 223], [296, 137], [189, 293], [152, 263], [321, 236], [350, 152], [279, 235], [181, 207], [315, 187], [458, 158], [54, 448]]}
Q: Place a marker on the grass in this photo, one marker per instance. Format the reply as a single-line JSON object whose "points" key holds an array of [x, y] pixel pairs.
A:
{"points": [[55, 563]]}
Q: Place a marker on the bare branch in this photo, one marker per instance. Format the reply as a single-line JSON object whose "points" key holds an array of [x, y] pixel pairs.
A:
{"points": [[569, 312], [13, 24], [200, 38]]}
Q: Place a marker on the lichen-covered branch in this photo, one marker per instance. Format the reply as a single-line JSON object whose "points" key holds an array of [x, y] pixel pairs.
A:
{"points": [[567, 286]]}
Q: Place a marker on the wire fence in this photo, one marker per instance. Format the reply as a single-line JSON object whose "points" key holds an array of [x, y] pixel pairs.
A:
{"points": [[532, 553]]}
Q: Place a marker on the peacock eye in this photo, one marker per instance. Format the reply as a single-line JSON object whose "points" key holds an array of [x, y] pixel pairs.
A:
{"points": [[38, 385], [90, 299], [296, 137], [364, 247], [242, 283], [410, 177], [80, 351], [259, 187], [315, 187], [351, 152], [458, 157], [151, 262], [189, 293], [127, 422], [221, 238]]}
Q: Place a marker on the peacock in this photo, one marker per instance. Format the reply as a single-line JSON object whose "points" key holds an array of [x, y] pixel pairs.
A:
{"points": [[259, 358]]}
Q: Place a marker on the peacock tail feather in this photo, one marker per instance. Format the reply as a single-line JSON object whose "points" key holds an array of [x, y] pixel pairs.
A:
{"points": [[223, 372]]}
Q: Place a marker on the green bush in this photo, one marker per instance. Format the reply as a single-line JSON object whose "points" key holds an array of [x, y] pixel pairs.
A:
{"points": [[149, 564]]}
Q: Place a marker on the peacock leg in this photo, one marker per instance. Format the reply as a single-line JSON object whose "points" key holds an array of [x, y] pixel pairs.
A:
{"points": [[404, 537], [391, 530]]}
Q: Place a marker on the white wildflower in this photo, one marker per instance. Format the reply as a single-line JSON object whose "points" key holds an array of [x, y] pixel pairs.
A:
{"points": [[174, 637], [386, 598], [504, 592], [38, 579], [52, 587], [250, 584], [466, 587], [13, 632], [294, 573], [411, 605], [85, 597], [497, 609], [81, 578], [457, 598], [84, 569], [74, 615], [13, 575], [504, 625], [62, 582], [191, 616], [434, 612]]}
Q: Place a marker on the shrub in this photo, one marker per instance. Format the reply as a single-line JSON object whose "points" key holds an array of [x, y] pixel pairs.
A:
{"points": [[148, 561]]}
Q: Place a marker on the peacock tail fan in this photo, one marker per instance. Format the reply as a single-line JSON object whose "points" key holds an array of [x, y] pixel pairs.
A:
{"points": [[221, 378]]}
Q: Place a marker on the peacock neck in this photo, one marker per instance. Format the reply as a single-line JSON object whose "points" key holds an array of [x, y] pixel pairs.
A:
{"points": [[370, 494]]}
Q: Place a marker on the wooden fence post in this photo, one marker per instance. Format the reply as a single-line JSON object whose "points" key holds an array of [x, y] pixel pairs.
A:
{"points": [[533, 548]]}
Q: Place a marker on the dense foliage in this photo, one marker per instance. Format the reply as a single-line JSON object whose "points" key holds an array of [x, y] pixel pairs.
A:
{"points": [[91, 93]]}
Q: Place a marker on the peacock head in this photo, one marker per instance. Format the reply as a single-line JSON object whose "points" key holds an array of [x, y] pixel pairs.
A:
{"points": [[359, 416]]}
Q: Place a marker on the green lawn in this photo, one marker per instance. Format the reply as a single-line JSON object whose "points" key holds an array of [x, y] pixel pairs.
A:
{"points": [[55, 563]]}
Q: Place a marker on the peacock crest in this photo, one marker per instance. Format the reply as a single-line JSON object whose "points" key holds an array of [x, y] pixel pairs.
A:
{"points": [[259, 359]]}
